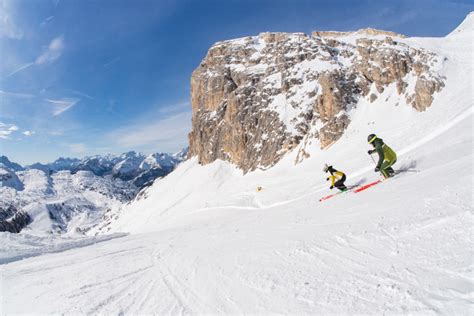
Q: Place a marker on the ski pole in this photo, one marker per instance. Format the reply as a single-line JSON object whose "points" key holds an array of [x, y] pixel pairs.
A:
{"points": [[372, 158], [406, 170], [376, 164]]}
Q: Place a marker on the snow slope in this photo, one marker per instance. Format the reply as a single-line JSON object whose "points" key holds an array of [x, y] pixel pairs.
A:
{"points": [[205, 241]]}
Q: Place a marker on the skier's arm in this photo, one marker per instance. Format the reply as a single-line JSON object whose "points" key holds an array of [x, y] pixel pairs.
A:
{"points": [[379, 149]]}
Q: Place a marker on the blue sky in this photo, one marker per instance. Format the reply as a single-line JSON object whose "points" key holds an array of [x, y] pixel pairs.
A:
{"points": [[88, 77]]}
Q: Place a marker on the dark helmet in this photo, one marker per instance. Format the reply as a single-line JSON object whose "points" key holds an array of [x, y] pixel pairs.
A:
{"points": [[371, 138]]}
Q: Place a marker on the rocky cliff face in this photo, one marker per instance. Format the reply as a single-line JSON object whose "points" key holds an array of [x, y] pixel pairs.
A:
{"points": [[12, 220], [256, 98]]}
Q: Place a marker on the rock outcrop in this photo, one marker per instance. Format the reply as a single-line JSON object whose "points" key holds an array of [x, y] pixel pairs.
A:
{"points": [[256, 98], [367, 31], [12, 220]]}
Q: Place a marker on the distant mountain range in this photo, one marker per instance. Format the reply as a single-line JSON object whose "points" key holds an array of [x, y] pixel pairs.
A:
{"points": [[71, 194], [130, 166]]}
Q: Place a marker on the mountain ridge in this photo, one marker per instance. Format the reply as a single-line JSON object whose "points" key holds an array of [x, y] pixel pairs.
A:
{"points": [[71, 194]]}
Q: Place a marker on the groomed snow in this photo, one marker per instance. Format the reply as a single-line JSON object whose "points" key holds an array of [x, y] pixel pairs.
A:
{"points": [[203, 240]]}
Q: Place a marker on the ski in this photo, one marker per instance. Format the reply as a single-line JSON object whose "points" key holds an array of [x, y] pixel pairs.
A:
{"points": [[324, 198], [368, 185], [396, 173], [349, 189]]}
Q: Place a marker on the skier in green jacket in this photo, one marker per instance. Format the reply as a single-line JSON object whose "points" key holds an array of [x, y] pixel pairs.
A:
{"points": [[387, 157]]}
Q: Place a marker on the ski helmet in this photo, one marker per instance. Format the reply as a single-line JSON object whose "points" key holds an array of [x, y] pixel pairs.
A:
{"points": [[326, 167], [371, 138]]}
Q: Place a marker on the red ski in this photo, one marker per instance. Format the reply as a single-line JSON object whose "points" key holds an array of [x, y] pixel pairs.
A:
{"points": [[328, 196], [349, 189], [368, 185]]}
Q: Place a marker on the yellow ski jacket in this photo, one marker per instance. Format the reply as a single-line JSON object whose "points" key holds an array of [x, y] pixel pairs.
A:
{"points": [[335, 176]]}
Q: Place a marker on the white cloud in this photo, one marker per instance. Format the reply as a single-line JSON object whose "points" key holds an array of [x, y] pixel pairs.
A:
{"points": [[28, 133], [62, 105], [78, 148], [6, 130], [22, 67], [47, 20], [164, 134], [16, 94], [111, 62], [49, 55], [81, 94], [52, 52], [8, 28], [175, 108], [56, 133]]}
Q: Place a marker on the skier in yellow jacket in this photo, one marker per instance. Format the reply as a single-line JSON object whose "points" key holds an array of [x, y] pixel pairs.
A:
{"points": [[337, 178]]}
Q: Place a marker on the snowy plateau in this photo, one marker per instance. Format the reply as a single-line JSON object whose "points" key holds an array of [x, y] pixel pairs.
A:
{"points": [[204, 240]]}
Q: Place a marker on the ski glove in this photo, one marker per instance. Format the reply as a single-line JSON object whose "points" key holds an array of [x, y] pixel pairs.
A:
{"points": [[327, 179], [331, 187]]}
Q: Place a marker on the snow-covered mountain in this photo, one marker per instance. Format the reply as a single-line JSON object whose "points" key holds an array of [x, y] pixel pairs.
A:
{"points": [[62, 201], [131, 166], [8, 178], [71, 194], [209, 239], [6, 163]]}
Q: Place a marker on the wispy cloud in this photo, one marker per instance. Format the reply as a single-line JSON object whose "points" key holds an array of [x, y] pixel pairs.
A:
{"points": [[47, 20], [8, 27], [111, 62], [17, 94], [163, 134], [52, 52], [62, 105], [82, 94], [56, 133], [22, 67], [28, 133], [179, 107], [6, 130]]}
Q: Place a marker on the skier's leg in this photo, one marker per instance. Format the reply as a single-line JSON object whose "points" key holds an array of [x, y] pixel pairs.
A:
{"points": [[340, 183], [386, 168], [389, 168], [340, 186], [383, 169]]}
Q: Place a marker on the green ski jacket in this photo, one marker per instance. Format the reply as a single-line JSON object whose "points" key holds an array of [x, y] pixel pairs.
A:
{"points": [[385, 152]]}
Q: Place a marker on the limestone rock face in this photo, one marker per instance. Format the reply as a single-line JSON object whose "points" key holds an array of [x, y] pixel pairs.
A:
{"points": [[256, 98]]}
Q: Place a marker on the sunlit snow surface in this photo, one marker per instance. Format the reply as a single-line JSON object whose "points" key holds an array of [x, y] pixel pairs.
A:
{"points": [[203, 240]]}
